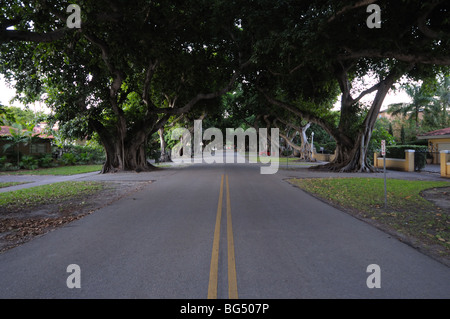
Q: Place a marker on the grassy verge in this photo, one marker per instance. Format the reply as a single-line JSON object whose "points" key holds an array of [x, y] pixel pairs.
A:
{"points": [[61, 170], [29, 198], [280, 159], [408, 212], [28, 213], [8, 184], [162, 165]]}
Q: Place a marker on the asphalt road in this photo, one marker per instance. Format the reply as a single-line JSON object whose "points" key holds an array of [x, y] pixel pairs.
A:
{"points": [[219, 231]]}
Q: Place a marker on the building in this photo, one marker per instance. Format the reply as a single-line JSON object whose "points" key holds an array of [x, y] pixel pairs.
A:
{"points": [[41, 144], [438, 141]]}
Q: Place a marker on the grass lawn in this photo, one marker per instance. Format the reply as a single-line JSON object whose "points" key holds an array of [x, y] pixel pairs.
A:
{"points": [[407, 213], [8, 184], [61, 170], [28, 198]]}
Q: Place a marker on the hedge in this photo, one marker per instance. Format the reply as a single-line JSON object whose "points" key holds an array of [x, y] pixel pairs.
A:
{"points": [[398, 151], [83, 154], [420, 154]]}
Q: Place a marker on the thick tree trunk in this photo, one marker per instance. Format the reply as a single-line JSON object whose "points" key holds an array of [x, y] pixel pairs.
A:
{"points": [[305, 148], [123, 154], [352, 157], [352, 140], [129, 158], [351, 151], [165, 156]]}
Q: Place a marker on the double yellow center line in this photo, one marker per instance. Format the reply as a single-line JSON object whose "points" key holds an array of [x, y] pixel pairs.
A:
{"points": [[214, 269]]}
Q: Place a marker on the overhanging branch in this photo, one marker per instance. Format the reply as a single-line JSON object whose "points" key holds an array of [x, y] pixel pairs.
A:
{"points": [[404, 57], [351, 7], [306, 116], [422, 22], [205, 96], [15, 35]]}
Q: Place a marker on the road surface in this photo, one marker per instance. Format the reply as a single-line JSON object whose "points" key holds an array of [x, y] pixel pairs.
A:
{"points": [[219, 231]]}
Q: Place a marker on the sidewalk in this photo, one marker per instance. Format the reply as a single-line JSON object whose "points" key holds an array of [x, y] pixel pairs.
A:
{"points": [[38, 180]]}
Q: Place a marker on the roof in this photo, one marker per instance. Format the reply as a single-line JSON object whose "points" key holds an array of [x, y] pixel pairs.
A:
{"points": [[442, 133], [37, 131]]}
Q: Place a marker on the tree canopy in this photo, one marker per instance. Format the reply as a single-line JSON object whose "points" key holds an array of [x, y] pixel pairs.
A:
{"points": [[310, 48], [130, 67], [127, 69]]}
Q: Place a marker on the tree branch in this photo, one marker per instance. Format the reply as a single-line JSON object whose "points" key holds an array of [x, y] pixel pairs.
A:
{"points": [[198, 98], [341, 74], [9, 23], [118, 77], [15, 35], [290, 71], [368, 91], [208, 96], [345, 9], [306, 116], [295, 127], [422, 23], [148, 79], [404, 57], [291, 144]]}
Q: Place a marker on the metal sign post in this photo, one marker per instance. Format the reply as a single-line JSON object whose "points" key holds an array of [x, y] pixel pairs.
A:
{"points": [[383, 153]]}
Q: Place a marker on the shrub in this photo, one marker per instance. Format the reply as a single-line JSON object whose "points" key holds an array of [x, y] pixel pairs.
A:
{"points": [[286, 152], [68, 159], [92, 154], [328, 147], [420, 160], [398, 151], [29, 162], [3, 161], [45, 161]]}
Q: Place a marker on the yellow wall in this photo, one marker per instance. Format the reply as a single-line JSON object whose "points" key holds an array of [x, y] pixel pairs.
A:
{"points": [[445, 163], [406, 164], [324, 157]]}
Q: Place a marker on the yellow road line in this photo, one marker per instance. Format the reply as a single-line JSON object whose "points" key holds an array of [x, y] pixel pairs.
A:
{"points": [[214, 268], [213, 272], [232, 280]]}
